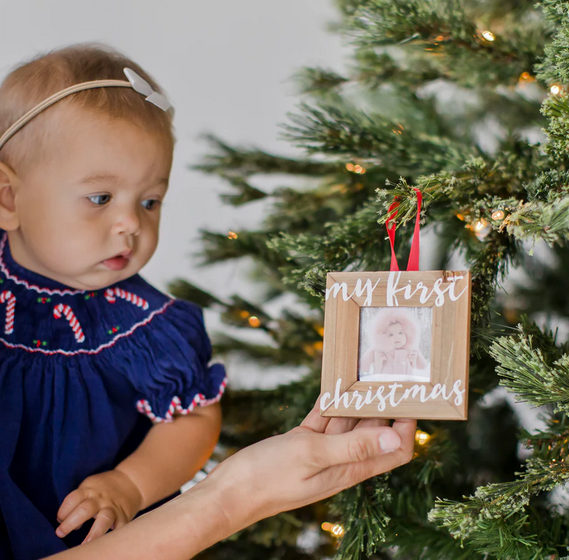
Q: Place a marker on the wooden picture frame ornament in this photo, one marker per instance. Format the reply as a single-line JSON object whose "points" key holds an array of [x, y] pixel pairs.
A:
{"points": [[444, 395]]}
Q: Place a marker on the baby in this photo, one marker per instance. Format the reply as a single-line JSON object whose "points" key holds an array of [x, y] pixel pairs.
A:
{"points": [[394, 346], [107, 402]]}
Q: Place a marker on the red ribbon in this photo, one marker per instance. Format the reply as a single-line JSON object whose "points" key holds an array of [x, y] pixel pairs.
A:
{"points": [[413, 262]]}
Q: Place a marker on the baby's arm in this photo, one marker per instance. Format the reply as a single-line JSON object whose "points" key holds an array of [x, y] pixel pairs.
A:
{"points": [[417, 360], [172, 453], [169, 456], [367, 360]]}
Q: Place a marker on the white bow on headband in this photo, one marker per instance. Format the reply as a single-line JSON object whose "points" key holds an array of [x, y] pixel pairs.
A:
{"points": [[140, 85]]}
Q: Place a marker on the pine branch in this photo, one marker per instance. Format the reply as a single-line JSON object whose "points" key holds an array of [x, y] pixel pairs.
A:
{"points": [[364, 519], [443, 28], [493, 520], [525, 372], [555, 67], [344, 130], [541, 221], [226, 161]]}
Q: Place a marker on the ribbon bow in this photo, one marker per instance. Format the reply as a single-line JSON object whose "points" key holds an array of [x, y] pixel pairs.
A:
{"points": [[140, 85]]}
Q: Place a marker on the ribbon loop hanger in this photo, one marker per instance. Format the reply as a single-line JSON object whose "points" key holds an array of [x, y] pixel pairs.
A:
{"points": [[413, 262]]}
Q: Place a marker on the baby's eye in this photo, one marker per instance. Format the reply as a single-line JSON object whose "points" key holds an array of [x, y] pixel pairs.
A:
{"points": [[100, 199], [150, 204]]}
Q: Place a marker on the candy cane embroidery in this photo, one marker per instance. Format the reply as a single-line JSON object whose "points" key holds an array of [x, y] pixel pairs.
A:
{"points": [[111, 295], [7, 297], [65, 310]]}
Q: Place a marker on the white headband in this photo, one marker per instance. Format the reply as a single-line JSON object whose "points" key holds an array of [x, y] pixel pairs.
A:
{"points": [[135, 82]]}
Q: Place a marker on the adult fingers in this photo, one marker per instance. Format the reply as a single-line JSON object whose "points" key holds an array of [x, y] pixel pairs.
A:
{"points": [[343, 476], [406, 429], [105, 519], [71, 501], [83, 512], [371, 423], [340, 477], [340, 425], [358, 445], [314, 421]]}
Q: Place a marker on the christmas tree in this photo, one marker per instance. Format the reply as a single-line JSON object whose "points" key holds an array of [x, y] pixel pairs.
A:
{"points": [[465, 100]]}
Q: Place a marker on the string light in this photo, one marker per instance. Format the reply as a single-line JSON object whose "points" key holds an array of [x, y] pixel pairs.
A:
{"points": [[244, 314], [526, 77], [232, 235], [335, 529], [498, 215], [480, 225], [254, 321], [555, 89], [488, 36], [320, 331], [399, 130], [355, 168], [439, 39], [461, 217], [313, 348], [422, 437]]}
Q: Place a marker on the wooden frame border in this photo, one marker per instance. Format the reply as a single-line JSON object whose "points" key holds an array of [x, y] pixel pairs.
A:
{"points": [[445, 395]]}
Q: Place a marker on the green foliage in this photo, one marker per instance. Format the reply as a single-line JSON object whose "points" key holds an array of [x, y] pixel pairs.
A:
{"points": [[450, 97]]}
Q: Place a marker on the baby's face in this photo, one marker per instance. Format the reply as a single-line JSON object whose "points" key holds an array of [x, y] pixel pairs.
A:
{"points": [[395, 336], [89, 212]]}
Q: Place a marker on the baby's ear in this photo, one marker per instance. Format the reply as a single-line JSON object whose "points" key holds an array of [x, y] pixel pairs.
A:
{"points": [[8, 215]]}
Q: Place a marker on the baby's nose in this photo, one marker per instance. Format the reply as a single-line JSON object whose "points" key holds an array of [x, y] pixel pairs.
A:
{"points": [[127, 223]]}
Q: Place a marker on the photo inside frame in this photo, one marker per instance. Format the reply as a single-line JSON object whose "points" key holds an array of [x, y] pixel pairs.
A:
{"points": [[395, 344]]}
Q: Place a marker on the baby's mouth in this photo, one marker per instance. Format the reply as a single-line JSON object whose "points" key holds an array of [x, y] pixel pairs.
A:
{"points": [[118, 262]]}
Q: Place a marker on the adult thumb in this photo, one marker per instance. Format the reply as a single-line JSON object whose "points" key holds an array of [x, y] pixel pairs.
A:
{"points": [[360, 445]]}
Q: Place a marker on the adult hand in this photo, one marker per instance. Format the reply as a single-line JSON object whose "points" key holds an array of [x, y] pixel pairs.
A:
{"points": [[110, 497], [311, 462], [319, 458]]}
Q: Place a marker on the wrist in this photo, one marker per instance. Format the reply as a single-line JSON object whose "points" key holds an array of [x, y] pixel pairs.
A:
{"points": [[235, 504], [131, 488]]}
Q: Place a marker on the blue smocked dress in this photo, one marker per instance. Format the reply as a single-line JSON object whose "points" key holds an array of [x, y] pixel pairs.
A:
{"points": [[82, 374]]}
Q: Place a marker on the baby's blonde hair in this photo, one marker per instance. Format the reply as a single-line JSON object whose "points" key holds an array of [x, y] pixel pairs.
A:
{"points": [[32, 82]]}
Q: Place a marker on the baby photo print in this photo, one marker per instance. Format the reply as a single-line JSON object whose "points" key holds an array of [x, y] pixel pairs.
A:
{"points": [[396, 345]]}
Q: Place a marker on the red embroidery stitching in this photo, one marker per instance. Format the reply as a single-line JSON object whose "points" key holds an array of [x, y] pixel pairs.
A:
{"points": [[111, 295], [99, 348], [6, 296], [67, 312], [143, 406]]}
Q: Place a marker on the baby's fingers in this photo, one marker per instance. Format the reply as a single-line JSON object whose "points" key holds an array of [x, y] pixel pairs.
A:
{"points": [[72, 500], [104, 521], [83, 512]]}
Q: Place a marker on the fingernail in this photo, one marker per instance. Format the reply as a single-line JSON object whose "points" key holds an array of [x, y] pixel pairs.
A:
{"points": [[389, 441], [59, 533]]}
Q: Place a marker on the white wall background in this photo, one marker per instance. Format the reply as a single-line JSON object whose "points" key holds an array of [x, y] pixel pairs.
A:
{"points": [[225, 64]]}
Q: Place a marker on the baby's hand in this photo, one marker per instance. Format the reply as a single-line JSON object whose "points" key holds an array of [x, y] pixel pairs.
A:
{"points": [[110, 497], [413, 358]]}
